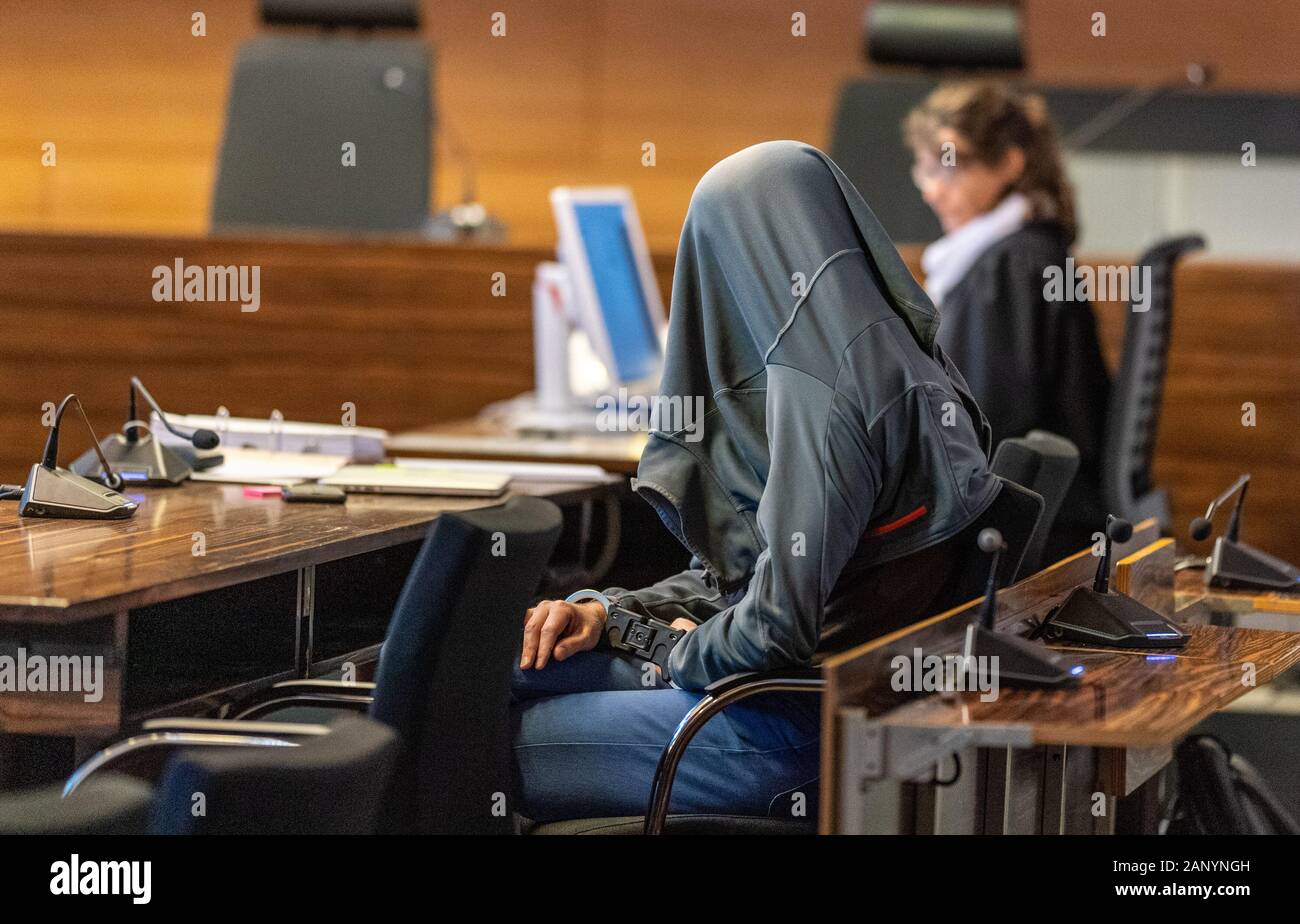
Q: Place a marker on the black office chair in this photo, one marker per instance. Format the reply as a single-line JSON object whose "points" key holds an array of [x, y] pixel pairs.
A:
{"points": [[1016, 513], [331, 784], [1127, 482], [1045, 464], [296, 100], [1221, 793], [444, 676], [112, 803]]}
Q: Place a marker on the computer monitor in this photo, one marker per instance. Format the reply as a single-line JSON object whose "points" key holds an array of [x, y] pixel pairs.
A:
{"points": [[615, 296]]}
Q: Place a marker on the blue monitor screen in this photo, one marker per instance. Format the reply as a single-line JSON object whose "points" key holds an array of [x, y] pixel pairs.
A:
{"points": [[623, 304]]}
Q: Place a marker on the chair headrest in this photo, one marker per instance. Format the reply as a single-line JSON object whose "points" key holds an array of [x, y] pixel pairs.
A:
{"points": [[365, 14], [928, 34]]}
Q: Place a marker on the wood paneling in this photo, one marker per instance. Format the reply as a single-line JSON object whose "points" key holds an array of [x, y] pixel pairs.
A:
{"points": [[135, 103]]}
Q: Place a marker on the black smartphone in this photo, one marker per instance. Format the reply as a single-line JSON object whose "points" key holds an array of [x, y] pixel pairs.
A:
{"points": [[313, 494]]}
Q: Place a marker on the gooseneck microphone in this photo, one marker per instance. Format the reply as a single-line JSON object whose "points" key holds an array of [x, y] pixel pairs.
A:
{"points": [[199, 438], [1098, 616], [51, 491], [1201, 526], [141, 458], [50, 459], [991, 543], [1233, 563], [1117, 530], [1018, 661]]}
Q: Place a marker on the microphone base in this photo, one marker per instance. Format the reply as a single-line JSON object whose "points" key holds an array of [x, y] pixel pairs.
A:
{"points": [[144, 462], [1235, 564], [1022, 663], [59, 493], [1112, 621]]}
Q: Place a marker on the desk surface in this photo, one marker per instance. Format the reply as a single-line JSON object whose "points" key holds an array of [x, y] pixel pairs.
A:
{"points": [[1128, 698], [1189, 588], [478, 438], [69, 570]]}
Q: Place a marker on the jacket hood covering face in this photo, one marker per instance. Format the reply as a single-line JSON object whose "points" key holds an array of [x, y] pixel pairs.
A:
{"points": [[763, 226]]}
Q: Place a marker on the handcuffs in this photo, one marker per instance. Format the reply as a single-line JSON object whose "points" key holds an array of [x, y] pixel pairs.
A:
{"points": [[642, 636]]}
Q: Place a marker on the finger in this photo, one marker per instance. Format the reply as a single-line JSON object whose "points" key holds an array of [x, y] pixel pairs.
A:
{"points": [[583, 640], [532, 633], [557, 620]]}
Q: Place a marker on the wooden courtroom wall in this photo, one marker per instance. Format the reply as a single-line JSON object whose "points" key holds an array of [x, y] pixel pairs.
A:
{"points": [[135, 104]]}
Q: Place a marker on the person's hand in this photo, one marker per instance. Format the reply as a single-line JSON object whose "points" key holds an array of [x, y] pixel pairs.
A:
{"points": [[557, 629], [686, 625]]}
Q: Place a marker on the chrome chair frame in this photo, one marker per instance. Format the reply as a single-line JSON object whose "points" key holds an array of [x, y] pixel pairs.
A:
{"points": [[198, 733], [717, 697]]}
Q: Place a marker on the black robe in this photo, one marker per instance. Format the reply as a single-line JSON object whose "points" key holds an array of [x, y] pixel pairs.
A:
{"points": [[1033, 363]]}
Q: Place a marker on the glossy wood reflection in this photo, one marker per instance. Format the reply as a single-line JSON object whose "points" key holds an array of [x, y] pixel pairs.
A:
{"points": [[66, 570], [1127, 699]]}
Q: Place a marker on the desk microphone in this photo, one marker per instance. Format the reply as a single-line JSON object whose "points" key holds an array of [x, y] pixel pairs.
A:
{"points": [[1020, 662], [199, 438], [142, 459], [1234, 563], [1097, 616], [51, 491]]}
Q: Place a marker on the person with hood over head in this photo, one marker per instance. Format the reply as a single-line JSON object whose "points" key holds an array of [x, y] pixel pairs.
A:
{"points": [[839, 458]]}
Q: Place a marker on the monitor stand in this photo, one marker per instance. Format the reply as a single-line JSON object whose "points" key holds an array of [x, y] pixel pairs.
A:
{"points": [[575, 394]]}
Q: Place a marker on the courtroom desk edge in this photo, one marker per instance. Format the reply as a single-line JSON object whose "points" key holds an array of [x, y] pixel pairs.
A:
{"points": [[31, 609]]}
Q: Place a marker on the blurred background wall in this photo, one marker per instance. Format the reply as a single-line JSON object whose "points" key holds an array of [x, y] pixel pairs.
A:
{"points": [[135, 103]]}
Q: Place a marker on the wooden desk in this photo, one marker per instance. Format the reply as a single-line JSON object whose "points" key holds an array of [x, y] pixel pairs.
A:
{"points": [[1260, 609], [205, 595], [1088, 759], [478, 438]]}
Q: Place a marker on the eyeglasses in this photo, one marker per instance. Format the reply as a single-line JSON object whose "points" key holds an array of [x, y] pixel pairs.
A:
{"points": [[933, 171]]}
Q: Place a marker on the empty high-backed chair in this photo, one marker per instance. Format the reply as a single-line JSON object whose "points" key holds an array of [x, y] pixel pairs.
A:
{"points": [[1127, 483], [1045, 464], [331, 784], [297, 100], [908, 44]]}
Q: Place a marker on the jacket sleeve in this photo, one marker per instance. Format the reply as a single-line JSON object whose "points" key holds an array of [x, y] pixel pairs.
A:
{"points": [[822, 485], [692, 594]]}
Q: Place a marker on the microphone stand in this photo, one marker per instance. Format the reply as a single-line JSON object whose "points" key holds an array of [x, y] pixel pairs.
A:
{"points": [[1020, 662], [51, 491], [143, 459], [1233, 563], [1097, 616]]}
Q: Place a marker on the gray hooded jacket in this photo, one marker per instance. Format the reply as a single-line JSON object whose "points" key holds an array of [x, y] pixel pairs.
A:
{"points": [[836, 436]]}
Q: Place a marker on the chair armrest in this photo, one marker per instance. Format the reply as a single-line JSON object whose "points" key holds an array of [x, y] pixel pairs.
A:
{"points": [[145, 755], [328, 694], [730, 682], [718, 696], [237, 727]]}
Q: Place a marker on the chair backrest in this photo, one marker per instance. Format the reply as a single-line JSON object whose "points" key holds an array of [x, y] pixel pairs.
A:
{"points": [[897, 593], [444, 673], [107, 803], [1045, 464], [296, 103], [1221, 793], [1133, 418], [334, 784], [1015, 513]]}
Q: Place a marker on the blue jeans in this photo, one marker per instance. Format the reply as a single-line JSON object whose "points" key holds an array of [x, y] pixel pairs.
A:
{"points": [[588, 735]]}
